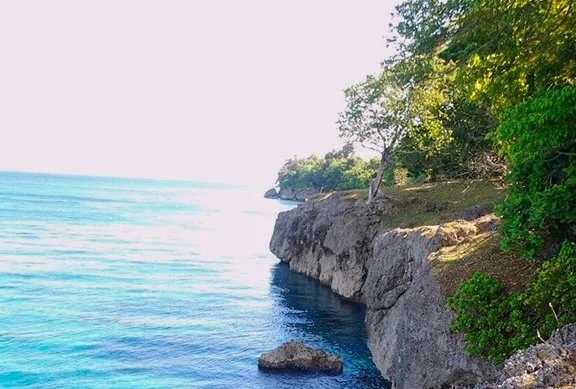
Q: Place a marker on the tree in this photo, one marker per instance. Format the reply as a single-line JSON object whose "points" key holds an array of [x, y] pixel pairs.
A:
{"points": [[338, 170], [507, 51], [538, 138], [465, 63], [500, 52], [376, 117]]}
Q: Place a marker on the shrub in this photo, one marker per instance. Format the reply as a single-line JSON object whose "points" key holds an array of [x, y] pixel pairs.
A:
{"points": [[538, 138], [555, 285], [496, 322], [482, 313]]}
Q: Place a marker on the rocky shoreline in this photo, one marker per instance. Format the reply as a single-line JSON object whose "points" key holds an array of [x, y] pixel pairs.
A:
{"points": [[341, 242], [303, 194]]}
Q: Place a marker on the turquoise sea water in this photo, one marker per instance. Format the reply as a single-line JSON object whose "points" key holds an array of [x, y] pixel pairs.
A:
{"points": [[123, 283]]}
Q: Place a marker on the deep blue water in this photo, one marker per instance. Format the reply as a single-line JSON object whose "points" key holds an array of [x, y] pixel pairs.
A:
{"points": [[122, 283]]}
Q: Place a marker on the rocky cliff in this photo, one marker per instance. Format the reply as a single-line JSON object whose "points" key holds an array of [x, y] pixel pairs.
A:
{"points": [[551, 364], [342, 242], [300, 194]]}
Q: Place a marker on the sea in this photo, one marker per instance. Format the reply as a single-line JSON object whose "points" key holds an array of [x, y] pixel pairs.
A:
{"points": [[136, 283]]}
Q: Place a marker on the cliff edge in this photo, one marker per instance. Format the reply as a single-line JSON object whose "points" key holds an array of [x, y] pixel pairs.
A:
{"points": [[396, 273]]}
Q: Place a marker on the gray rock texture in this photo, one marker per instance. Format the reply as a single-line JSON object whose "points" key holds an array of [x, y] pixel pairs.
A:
{"points": [[547, 365], [295, 355], [271, 194], [303, 194], [475, 212], [329, 240], [340, 242], [408, 324]]}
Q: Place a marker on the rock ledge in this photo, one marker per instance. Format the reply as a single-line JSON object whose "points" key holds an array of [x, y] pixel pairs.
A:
{"points": [[546, 365], [295, 355]]}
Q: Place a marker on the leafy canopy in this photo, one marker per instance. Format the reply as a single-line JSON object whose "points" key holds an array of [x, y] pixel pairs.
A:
{"points": [[538, 138], [375, 114], [337, 170]]}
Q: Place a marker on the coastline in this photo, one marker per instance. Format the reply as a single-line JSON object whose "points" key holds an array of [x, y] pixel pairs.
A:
{"points": [[341, 242]]}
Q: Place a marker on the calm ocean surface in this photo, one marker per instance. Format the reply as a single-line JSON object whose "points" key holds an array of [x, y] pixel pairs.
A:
{"points": [[124, 283]]}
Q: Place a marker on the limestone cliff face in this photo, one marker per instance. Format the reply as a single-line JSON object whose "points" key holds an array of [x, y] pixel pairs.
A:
{"points": [[341, 242], [329, 240], [301, 194]]}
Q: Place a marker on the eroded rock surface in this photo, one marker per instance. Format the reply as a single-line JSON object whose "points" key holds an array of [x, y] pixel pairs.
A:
{"points": [[340, 242], [302, 194], [546, 365], [295, 355], [271, 194], [330, 240], [408, 324]]}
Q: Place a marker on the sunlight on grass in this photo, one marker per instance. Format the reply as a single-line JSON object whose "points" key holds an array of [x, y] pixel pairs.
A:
{"points": [[320, 197], [436, 203], [359, 194], [453, 253]]}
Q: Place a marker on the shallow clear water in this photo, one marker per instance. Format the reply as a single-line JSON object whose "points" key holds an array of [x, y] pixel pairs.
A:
{"points": [[118, 283]]}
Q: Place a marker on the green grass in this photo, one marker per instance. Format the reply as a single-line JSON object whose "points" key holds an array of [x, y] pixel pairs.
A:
{"points": [[435, 203], [440, 203], [427, 204], [354, 194]]}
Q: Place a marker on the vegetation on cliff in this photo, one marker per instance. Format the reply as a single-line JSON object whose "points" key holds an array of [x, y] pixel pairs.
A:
{"points": [[498, 321], [337, 170], [493, 83], [479, 89]]}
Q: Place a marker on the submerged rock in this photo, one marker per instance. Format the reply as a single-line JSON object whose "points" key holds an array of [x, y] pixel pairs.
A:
{"points": [[295, 355], [271, 194]]}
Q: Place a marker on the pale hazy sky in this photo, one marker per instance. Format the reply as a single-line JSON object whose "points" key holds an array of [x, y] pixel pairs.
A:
{"points": [[207, 90]]}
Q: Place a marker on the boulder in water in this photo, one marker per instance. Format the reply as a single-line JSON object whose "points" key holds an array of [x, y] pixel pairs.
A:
{"points": [[295, 355]]}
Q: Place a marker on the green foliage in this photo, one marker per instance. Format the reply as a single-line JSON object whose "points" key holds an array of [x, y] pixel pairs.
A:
{"points": [[538, 138], [300, 173], [461, 63], [555, 285], [376, 117], [498, 52], [459, 152], [338, 170], [375, 114], [388, 176], [482, 313], [478, 88], [497, 322], [507, 51]]}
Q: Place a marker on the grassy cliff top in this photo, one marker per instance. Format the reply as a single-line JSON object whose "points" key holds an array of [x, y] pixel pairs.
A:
{"points": [[428, 204], [436, 203], [441, 204], [480, 252]]}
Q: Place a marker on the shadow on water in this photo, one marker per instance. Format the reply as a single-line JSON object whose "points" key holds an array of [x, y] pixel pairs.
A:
{"points": [[314, 314]]}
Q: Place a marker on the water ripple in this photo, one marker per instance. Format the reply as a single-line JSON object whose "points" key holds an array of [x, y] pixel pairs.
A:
{"points": [[111, 283]]}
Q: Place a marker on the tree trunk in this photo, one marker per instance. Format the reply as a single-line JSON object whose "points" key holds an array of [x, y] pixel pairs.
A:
{"points": [[375, 186]]}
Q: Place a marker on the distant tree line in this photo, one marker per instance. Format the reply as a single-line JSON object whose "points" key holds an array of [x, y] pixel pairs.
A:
{"points": [[337, 170]]}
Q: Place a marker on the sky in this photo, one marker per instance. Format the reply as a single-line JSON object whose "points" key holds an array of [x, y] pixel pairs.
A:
{"points": [[219, 90]]}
